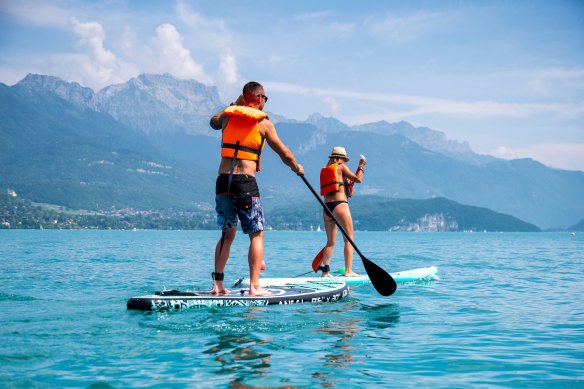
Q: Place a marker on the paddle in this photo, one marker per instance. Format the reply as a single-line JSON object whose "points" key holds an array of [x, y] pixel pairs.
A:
{"points": [[317, 260], [381, 280]]}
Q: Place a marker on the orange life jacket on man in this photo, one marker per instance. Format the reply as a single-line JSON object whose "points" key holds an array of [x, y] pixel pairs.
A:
{"points": [[331, 180], [241, 137]]}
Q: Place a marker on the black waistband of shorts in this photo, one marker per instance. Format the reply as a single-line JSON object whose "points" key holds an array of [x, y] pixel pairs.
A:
{"points": [[241, 184]]}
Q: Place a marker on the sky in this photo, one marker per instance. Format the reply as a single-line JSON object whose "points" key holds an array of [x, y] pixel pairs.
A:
{"points": [[505, 76]]}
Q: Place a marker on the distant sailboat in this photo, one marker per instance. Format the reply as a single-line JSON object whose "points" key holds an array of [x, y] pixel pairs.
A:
{"points": [[318, 228]]}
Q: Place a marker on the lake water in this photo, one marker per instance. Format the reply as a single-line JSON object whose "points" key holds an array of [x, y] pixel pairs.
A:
{"points": [[507, 312]]}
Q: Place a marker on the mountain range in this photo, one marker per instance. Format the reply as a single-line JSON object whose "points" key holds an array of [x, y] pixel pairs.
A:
{"points": [[147, 143]]}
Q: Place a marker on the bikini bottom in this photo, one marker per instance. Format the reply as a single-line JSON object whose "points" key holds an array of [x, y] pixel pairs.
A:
{"points": [[333, 204]]}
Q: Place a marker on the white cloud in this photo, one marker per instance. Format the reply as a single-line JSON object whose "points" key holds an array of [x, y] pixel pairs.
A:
{"points": [[427, 105], [195, 19], [275, 59], [313, 16], [343, 29], [211, 34], [568, 156], [92, 35], [561, 73], [553, 82], [321, 25], [332, 104], [228, 69], [40, 13], [95, 65], [127, 42], [206, 32], [170, 56], [99, 67], [408, 28]]}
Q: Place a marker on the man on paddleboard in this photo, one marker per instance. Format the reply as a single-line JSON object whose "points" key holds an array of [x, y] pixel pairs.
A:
{"points": [[245, 129]]}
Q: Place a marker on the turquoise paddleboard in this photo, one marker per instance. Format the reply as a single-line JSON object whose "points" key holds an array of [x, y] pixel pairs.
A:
{"points": [[421, 274]]}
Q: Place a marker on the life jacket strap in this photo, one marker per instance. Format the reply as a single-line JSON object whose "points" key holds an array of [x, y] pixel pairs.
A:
{"points": [[259, 153], [237, 146], [332, 183], [232, 168]]}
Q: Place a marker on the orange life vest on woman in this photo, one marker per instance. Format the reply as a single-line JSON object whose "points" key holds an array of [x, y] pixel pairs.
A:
{"points": [[331, 180], [241, 137]]}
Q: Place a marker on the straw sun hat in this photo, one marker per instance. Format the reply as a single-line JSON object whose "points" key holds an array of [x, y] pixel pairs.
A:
{"points": [[339, 152]]}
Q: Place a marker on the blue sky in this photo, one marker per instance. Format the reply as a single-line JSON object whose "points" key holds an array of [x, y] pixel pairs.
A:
{"points": [[506, 76]]}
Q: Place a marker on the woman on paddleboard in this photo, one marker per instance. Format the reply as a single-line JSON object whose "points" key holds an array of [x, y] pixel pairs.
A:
{"points": [[336, 185]]}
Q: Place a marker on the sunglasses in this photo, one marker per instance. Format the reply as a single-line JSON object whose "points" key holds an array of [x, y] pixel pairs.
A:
{"points": [[264, 97]]}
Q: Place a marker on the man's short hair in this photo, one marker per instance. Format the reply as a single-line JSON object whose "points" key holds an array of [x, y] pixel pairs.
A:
{"points": [[252, 87]]}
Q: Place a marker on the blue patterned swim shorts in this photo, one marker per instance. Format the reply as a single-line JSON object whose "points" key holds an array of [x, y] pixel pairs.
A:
{"points": [[252, 218]]}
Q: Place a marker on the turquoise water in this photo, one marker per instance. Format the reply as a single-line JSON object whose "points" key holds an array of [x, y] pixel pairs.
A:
{"points": [[507, 312]]}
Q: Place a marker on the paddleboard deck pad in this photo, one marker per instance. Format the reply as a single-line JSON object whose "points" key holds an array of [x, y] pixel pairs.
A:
{"points": [[415, 275], [300, 292]]}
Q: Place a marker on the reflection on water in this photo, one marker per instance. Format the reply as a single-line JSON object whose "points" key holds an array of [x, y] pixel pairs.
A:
{"points": [[327, 335], [381, 316], [243, 358], [233, 351], [245, 350], [343, 349]]}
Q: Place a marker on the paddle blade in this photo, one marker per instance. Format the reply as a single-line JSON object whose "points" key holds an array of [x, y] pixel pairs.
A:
{"points": [[381, 280], [317, 261]]}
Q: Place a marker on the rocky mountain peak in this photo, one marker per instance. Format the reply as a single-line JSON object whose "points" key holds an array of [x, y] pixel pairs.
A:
{"points": [[149, 102], [179, 96], [328, 124], [424, 136], [70, 91]]}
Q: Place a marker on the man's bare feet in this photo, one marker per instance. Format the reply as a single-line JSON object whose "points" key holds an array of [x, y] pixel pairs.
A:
{"points": [[259, 291], [218, 289], [326, 275], [351, 274]]}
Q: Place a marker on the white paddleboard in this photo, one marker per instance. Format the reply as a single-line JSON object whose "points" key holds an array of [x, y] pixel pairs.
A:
{"points": [[301, 292]]}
